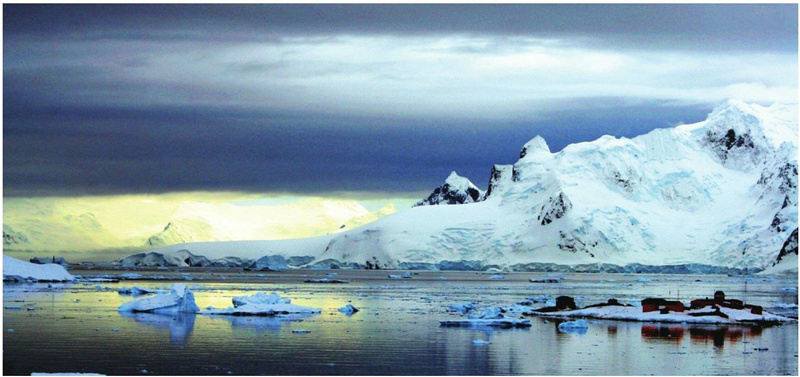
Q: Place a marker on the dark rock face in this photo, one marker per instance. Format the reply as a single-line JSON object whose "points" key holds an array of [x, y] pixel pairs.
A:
{"points": [[789, 247], [782, 178], [726, 143], [450, 193], [499, 173], [556, 208]]}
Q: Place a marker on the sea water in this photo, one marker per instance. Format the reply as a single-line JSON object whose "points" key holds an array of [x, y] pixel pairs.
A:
{"points": [[75, 328]]}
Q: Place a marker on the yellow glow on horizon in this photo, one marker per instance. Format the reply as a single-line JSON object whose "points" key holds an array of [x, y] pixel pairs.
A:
{"points": [[117, 221]]}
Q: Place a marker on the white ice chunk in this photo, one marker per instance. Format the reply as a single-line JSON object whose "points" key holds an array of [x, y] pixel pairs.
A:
{"points": [[179, 300], [463, 307], [260, 299], [262, 304], [348, 309], [578, 327]]}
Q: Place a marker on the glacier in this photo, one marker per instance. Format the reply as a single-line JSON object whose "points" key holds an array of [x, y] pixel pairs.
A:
{"points": [[715, 196]]}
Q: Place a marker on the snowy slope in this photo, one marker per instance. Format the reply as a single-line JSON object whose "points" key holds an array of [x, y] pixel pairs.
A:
{"points": [[721, 192], [15, 269], [96, 223]]}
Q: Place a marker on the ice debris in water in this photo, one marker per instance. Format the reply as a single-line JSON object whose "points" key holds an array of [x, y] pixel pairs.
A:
{"points": [[577, 327], [135, 291], [300, 331], [462, 308], [348, 309], [497, 277], [262, 304], [179, 300], [490, 317], [480, 342], [406, 275]]}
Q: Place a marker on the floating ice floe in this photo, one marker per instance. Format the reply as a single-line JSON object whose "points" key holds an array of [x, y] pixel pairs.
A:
{"points": [[348, 309], [406, 275], [576, 327], [481, 342], [545, 280], [492, 317], [497, 277], [461, 308], [17, 270], [327, 281], [179, 300], [137, 291], [262, 304]]}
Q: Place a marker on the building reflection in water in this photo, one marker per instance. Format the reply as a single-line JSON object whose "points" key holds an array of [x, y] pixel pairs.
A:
{"points": [[717, 334]]}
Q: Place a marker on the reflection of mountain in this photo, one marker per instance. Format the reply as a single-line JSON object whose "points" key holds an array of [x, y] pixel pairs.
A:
{"points": [[180, 326], [259, 324]]}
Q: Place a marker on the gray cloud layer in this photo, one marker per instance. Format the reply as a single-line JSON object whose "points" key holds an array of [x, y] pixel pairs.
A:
{"points": [[313, 98]]}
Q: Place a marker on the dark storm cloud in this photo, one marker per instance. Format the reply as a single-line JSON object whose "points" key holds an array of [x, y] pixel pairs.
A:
{"points": [[692, 26], [107, 151], [106, 99]]}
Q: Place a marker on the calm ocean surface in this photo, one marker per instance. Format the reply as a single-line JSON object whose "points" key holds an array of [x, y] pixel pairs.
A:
{"points": [[76, 328]]}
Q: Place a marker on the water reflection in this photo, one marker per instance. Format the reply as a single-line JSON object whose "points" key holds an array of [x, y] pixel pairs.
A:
{"points": [[699, 334], [260, 324], [180, 326], [720, 334]]}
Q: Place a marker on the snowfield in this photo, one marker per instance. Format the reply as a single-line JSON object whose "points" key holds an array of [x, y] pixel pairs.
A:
{"points": [[722, 192], [633, 313], [17, 270]]}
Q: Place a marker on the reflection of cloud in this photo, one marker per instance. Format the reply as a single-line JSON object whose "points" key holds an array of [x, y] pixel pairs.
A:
{"points": [[259, 324], [180, 326]]}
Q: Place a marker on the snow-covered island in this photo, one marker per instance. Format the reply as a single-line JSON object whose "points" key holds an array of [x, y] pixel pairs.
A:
{"points": [[657, 203], [705, 311], [17, 270]]}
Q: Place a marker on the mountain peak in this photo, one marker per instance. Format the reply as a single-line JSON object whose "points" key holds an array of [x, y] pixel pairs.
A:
{"points": [[455, 190], [534, 146]]}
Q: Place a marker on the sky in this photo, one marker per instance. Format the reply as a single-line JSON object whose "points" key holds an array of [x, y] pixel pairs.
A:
{"points": [[357, 100]]}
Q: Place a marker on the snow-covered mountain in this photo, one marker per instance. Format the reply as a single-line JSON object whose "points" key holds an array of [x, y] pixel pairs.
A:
{"points": [[721, 192], [455, 190], [147, 221]]}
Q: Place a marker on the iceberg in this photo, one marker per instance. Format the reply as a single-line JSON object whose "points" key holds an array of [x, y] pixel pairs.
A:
{"points": [[17, 270], [576, 327], [261, 304], [179, 300], [348, 309], [492, 317], [406, 275]]}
